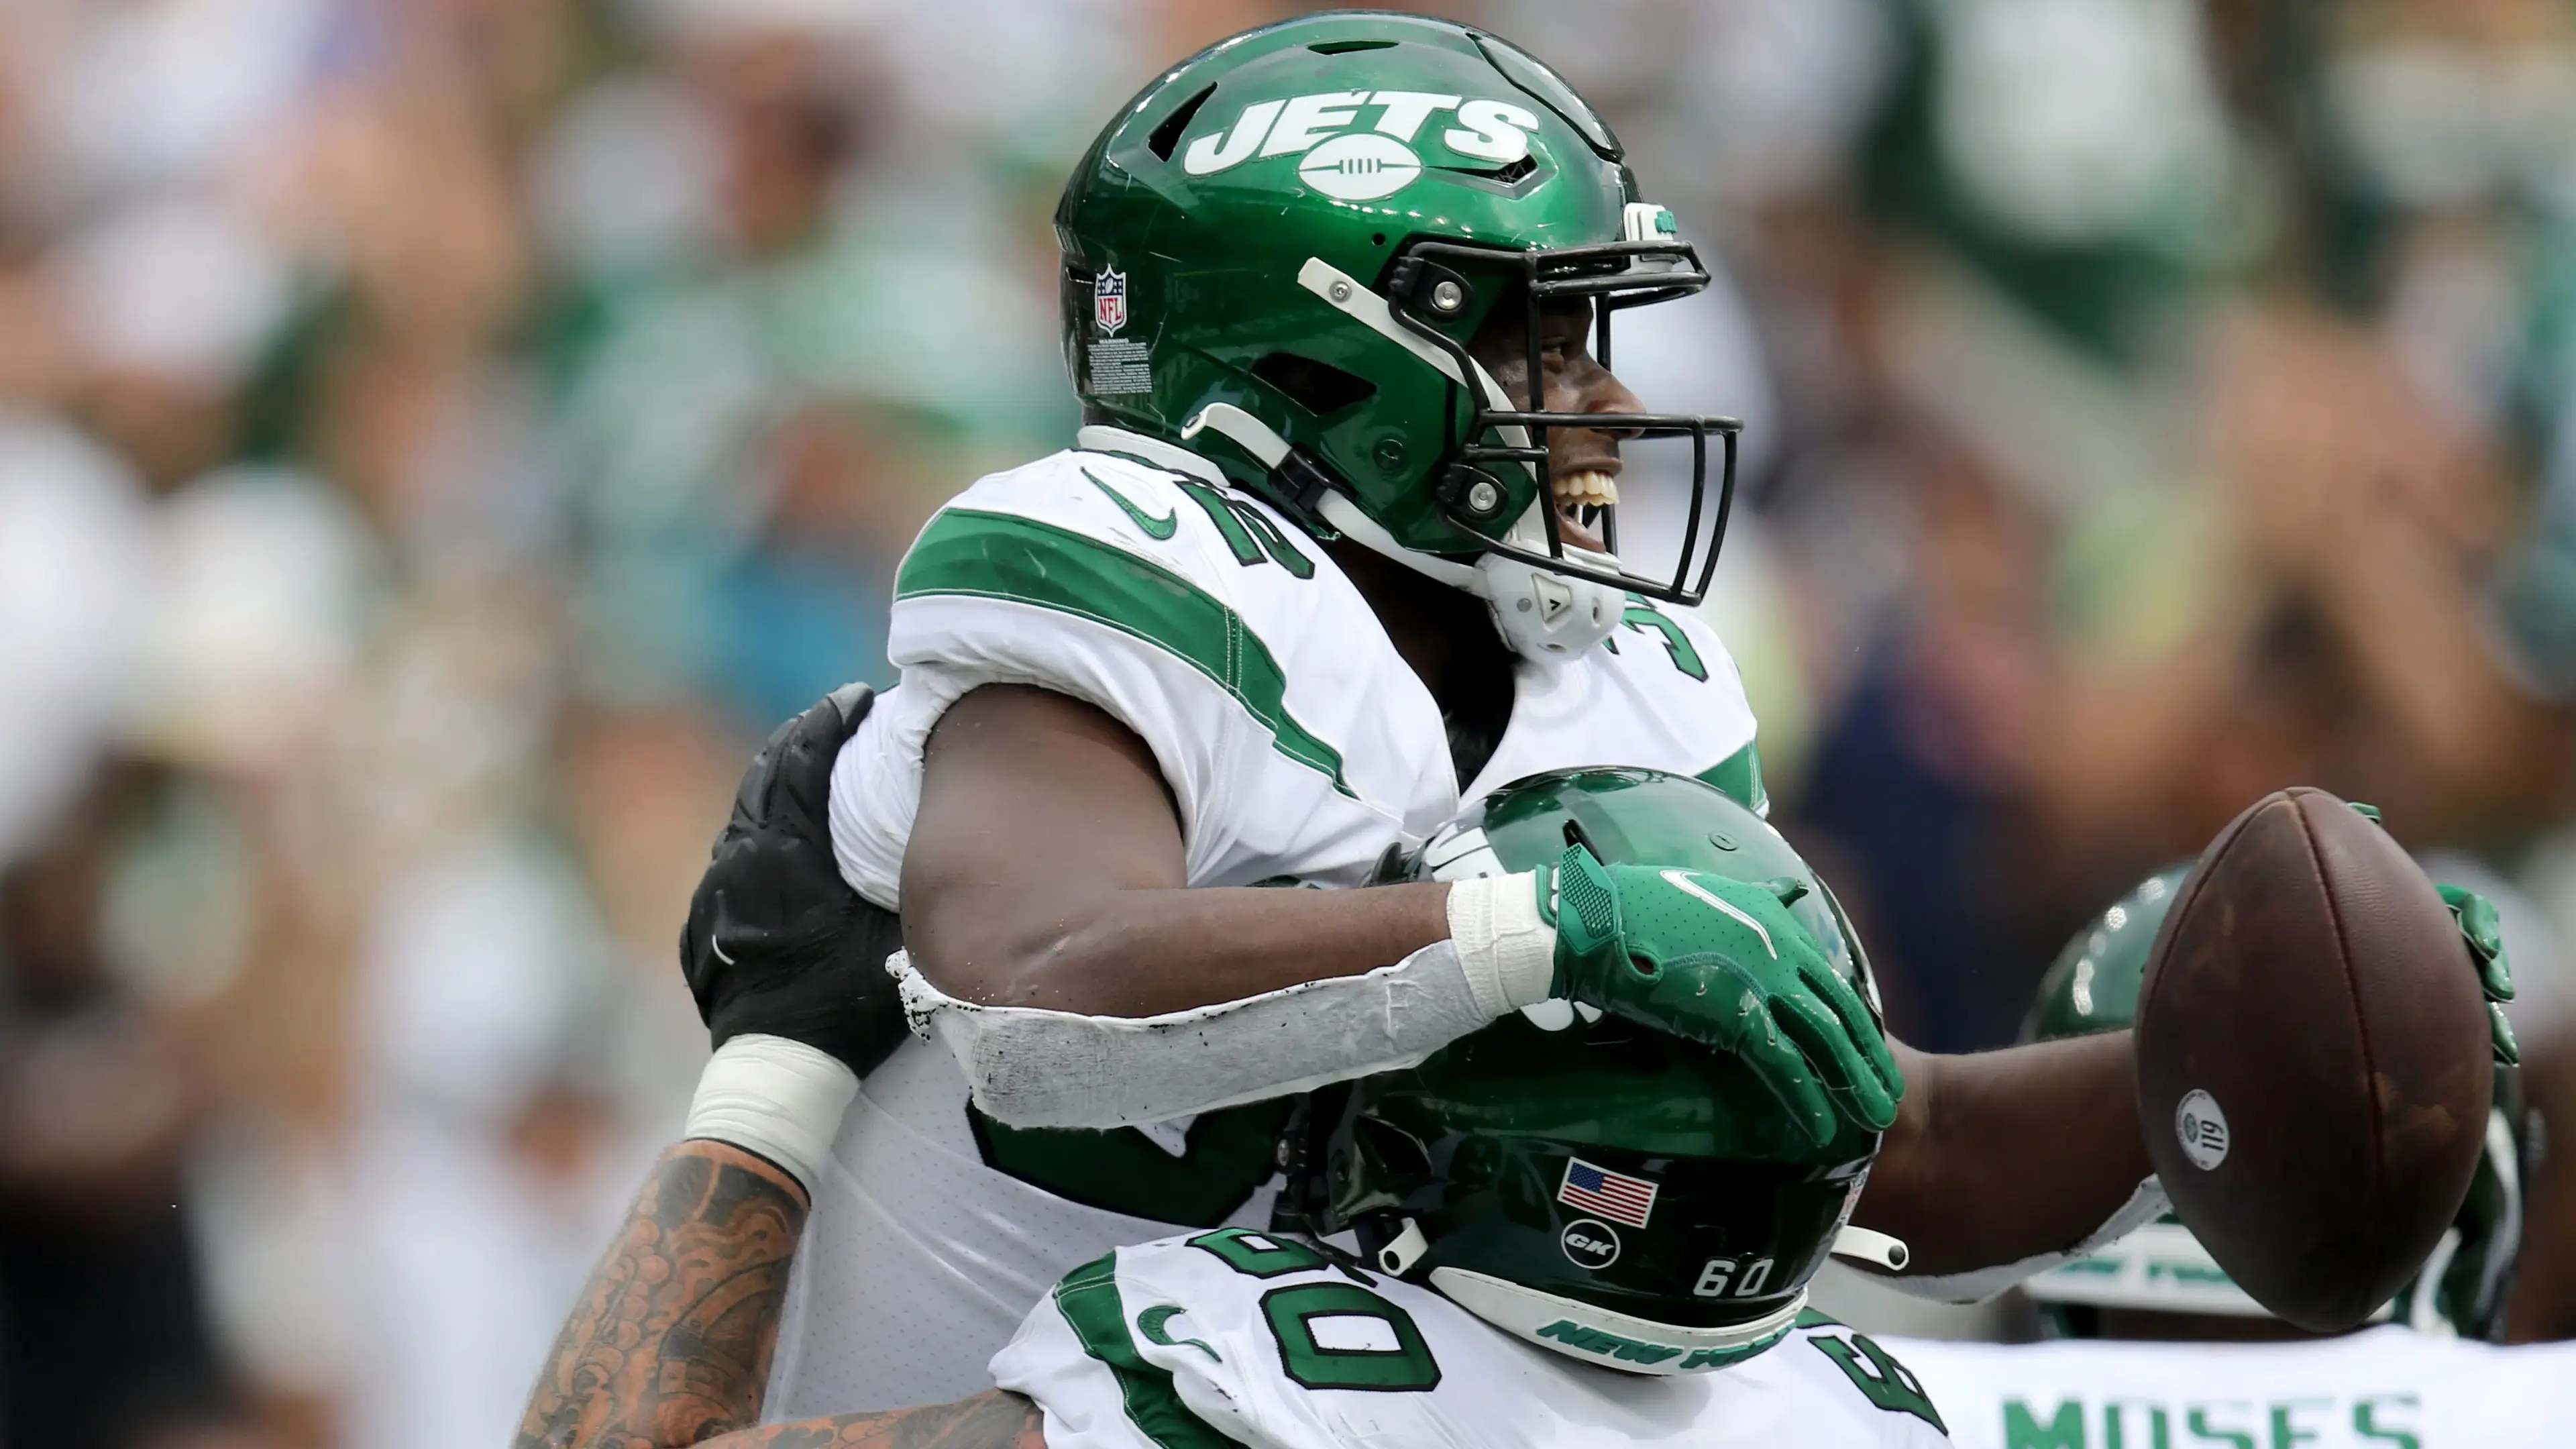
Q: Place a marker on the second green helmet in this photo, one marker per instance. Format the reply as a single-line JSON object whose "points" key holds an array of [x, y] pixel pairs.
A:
{"points": [[1593, 1186]]}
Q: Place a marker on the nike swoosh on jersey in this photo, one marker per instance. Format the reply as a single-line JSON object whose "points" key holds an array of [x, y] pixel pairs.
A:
{"points": [[1680, 880], [1157, 529]]}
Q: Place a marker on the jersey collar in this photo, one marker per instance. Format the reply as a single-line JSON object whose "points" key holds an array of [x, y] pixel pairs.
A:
{"points": [[1101, 438]]}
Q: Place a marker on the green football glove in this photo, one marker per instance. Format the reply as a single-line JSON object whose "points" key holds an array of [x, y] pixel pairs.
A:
{"points": [[2484, 933], [2485, 937], [1723, 963]]}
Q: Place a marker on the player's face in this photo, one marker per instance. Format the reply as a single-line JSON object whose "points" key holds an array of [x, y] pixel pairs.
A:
{"points": [[1581, 461]]}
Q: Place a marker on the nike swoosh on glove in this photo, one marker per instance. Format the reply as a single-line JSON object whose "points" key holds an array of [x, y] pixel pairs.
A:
{"points": [[1722, 962]]}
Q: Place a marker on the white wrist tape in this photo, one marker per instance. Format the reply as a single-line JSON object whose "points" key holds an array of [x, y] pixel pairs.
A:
{"points": [[1506, 948], [1029, 1067], [779, 1098], [1979, 1284]]}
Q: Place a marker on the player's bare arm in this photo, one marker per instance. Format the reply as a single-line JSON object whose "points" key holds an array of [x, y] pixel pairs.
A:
{"points": [[993, 1420], [1045, 870], [670, 1340], [1974, 1132]]}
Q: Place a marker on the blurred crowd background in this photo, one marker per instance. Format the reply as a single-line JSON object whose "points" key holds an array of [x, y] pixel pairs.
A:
{"points": [[438, 438]]}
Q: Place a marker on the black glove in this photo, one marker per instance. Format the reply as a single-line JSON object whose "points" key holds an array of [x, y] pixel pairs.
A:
{"points": [[776, 942]]}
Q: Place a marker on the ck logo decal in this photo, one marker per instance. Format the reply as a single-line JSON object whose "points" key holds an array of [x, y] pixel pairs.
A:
{"points": [[1589, 1244]]}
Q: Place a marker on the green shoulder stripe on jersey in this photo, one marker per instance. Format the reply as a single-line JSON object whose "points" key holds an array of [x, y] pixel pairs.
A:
{"points": [[976, 554], [1088, 1299], [1740, 776]]}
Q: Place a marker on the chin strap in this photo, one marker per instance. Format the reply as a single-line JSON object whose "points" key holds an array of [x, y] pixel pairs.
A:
{"points": [[1269, 449], [1344, 294], [1542, 615]]}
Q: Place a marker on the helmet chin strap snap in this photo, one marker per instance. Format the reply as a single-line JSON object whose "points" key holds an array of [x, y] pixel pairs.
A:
{"points": [[1879, 1249]]}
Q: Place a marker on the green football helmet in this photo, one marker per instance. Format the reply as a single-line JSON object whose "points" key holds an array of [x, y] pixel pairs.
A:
{"points": [[1276, 255], [1592, 1186], [2093, 987]]}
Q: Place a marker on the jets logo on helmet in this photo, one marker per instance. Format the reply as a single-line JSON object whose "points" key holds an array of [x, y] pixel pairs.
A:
{"points": [[1359, 168], [1350, 165]]}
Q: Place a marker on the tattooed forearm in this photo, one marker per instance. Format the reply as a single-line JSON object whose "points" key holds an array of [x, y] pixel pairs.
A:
{"points": [[990, 1420], [669, 1343]]}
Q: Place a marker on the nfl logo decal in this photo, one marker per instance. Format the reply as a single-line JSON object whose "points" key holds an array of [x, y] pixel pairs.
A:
{"points": [[1109, 302], [1614, 1195]]}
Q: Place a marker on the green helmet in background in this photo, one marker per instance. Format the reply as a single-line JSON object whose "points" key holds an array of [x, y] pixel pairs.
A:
{"points": [[1595, 1187], [2093, 987], [1278, 252]]}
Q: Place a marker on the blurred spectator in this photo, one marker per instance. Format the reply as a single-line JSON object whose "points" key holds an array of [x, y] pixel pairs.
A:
{"points": [[100, 1303]]}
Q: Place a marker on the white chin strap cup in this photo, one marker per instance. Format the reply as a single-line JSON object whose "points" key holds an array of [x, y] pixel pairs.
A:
{"points": [[1541, 615], [1545, 615]]}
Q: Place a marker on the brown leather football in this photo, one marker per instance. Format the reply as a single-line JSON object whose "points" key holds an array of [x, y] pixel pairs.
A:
{"points": [[2313, 1062]]}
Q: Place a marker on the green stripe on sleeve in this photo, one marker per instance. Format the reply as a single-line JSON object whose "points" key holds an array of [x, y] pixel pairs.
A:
{"points": [[1088, 1299], [1740, 775], [973, 554]]}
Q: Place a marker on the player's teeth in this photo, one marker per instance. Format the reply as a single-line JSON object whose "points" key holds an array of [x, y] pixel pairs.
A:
{"points": [[1590, 488]]}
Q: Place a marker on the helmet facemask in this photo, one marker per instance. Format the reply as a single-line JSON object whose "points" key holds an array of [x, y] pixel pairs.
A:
{"points": [[1502, 453]]}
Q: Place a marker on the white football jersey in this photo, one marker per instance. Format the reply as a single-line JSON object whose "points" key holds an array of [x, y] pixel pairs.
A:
{"points": [[2385, 1388], [1300, 749], [1234, 1337]]}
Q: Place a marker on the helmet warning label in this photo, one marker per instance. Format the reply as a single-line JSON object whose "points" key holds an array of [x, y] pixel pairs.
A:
{"points": [[1119, 364]]}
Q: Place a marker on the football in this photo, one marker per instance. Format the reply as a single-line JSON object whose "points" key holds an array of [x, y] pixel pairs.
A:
{"points": [[2313, 1061]]}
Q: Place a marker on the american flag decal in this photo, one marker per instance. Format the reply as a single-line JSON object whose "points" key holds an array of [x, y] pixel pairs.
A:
{"points": [[1614, 1195]]}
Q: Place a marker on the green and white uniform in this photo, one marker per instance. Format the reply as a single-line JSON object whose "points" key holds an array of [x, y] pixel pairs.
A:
{"points": [[1232, 1337], [2386, 1388], [1300, 749]]}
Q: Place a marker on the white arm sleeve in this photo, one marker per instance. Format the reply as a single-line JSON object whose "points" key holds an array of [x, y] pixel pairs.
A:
{"points": [[1979, 1284], [1030, 1067]]}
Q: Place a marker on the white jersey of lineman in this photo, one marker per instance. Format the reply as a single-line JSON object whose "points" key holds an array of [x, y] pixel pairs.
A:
{"points": [[1234, 1338], [2387, 1388], [1300, 749]]}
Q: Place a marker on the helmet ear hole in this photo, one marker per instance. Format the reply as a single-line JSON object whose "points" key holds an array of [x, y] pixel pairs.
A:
{"points": [[1396, 1152], [1167, 136], [1318, 387]]}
